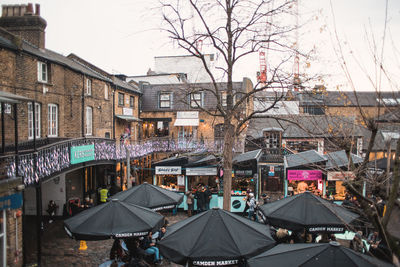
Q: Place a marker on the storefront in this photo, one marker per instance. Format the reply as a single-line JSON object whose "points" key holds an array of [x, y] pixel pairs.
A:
{"points": [[300, 181], [271, 178], [303, 172], [169, 174], [334, 184]]}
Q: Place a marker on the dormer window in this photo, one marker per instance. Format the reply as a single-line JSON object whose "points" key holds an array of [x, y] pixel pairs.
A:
{"points": [[43, 73], [196, 100]]}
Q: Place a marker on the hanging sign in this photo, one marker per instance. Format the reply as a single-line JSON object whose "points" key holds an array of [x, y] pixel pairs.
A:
{"points": [[340, 176], [13, 201], [201, 171], [168, 170], [82, 153]]}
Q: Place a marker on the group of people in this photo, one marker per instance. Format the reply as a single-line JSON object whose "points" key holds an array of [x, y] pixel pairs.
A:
{"points": [[138, 251], [203, 196]]}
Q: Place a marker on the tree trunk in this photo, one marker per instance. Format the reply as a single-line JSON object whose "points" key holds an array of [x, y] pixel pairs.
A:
{"points": [[229, 140]]}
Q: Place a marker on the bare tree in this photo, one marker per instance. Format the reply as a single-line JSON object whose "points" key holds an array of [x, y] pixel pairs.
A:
{"points": [[235, 29]]}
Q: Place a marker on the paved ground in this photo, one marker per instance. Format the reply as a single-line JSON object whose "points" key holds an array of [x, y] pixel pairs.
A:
{"points": [[58, 250]]}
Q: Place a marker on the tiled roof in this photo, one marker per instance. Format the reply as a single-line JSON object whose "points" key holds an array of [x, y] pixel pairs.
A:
{"points": [[255, 154], [340, 159], [303, 158]]}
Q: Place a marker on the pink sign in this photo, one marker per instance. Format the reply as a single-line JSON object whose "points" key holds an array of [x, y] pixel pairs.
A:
{"points": [[304, 175]]}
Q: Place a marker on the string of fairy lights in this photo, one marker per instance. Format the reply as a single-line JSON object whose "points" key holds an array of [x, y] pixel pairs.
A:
{"points": [[35, 166]]}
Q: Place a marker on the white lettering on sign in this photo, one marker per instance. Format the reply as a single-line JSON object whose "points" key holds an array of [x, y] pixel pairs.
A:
{"points": [[168, 170], [326, 229], [215, 263], [164, 207], [131, 234]]}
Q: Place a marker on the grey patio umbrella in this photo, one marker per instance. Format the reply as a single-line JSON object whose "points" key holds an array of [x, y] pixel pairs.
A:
{"points": [[307, 211], [313, 255], [215, 237], [113, 219], [150, 196]]}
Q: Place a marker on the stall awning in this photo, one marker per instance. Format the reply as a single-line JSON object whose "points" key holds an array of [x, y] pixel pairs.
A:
{"points": [[186, 122], [128, 118]]}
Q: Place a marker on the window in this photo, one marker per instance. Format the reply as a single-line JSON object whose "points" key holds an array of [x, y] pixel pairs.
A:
{"points": [[314, 110], [165, 100], [89, 123], [196, 100], [223, 99], [43, 74], [7, 108], [52, 120], [88, 87], [272, 139], [106, 91], [120, 99], [132, 101], [30, 120]]}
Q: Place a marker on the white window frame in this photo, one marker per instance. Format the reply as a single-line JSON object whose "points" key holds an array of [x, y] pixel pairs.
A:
{"points": [[88, 86], [224, 99], [106, 91], [131, 101], [52, 116], [30, 120], [165, 100], [3, 236], [196, 100], [89, 121], [43, 72], [121, 103]]}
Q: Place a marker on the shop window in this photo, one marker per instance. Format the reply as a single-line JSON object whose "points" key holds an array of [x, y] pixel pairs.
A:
{"points": [[30, 120], [162, 129], [165, 100], [196, 100], [121, 99], [52, 120]]}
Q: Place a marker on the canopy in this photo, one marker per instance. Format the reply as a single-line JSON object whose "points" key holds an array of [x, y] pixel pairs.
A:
{"points": [[307, 211], [150, 196], [313, 255], [127, 118], [215, 237], [113, 219]]}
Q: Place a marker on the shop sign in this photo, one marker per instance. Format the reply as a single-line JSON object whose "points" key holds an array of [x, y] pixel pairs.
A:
{"points": [[13, 201], [243, 172], [181, 180], [271, 171], [201, 171], [340, 176], [168, 170], [215, 263], [304, 175], [127, 111], [187, 115], [82, 153]]}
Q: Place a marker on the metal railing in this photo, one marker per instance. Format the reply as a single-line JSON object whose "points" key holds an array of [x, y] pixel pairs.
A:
{"points": [[47, 160]]}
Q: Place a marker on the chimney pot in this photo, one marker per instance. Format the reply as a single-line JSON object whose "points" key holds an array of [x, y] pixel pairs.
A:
{"points": [[29, 10], [37, 9]]}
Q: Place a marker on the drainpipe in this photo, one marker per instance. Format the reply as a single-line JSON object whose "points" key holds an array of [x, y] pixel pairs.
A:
{"points": [[3, 142], [83, 106], [113, 113]]}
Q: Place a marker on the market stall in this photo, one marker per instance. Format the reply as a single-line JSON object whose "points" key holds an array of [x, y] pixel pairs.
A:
{"points": [[169, 174], [304, 173]]}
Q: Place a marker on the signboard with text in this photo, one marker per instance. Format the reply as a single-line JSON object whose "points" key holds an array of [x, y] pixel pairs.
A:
{"points": [[340, 176], [165, 170], [201, 171], [81, 154], [304, 175], [13, 201]]}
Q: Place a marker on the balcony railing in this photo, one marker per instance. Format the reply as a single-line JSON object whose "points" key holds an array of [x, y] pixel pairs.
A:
{"points": [[47, 160]]}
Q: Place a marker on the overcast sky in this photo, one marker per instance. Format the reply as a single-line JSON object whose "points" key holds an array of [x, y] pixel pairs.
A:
{"points": [[124, 36]]}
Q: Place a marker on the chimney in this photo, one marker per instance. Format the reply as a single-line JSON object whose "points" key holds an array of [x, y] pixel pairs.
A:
{"points": [[25, 22]]}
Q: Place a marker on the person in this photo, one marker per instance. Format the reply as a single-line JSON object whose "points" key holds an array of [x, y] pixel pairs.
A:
{"points": [[282, 236], [252, 207], [161, 233], [116, 252], [52, 210], [201, 199], [302, 187], [189, 202], [246, 202], [263, 199], [150, 248], [104, 194], [356, 243], [208, 196]]}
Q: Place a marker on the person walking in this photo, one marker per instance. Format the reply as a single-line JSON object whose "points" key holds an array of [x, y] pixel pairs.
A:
{"points": [[252, 207]]}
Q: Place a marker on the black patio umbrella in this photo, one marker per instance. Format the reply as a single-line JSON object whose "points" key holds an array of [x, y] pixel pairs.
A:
{"points": [[317, 254], [307, 211], [150, 196], [215, 237], [113, 219]]}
